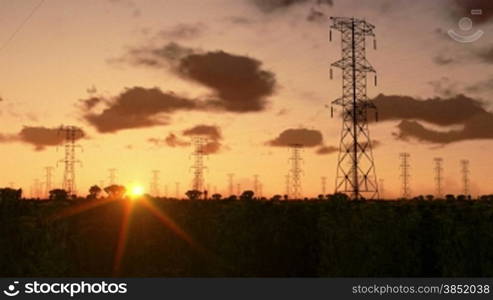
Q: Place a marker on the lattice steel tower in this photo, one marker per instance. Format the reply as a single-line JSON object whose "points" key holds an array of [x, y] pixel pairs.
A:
{"points": [[438, 176], [155, 183], [48, 180], [230, 183], [256, 185], [295, 171], [198, 167], [71, 134], [406, 191], [111, 176], [324, 185], [355, 169], [465, 176]]}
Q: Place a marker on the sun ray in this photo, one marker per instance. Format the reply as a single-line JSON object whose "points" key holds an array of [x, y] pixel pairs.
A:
{"points": [[170, 224], [122, 238], [77, 209]]}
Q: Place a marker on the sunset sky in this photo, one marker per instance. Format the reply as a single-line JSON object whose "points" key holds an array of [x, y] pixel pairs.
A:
{"points": [[139, 77]]}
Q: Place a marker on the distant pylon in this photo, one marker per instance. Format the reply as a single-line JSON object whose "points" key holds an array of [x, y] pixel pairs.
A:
{"points": [[295, 171], [356, 174], [71, 134], [438, 176], [324, 185], [48, 180], [255, 185], [37, 188], [230, 183], [238, 189], [288, 185], [198, 166], [406, 191], [111, 176], [260, 190], [155, 183], [177, 190], [465, 176]]}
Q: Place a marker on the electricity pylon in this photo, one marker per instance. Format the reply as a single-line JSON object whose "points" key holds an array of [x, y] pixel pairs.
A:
{"points": [[295, 171], [70, 134], [438, 176], [356, 174], [406, 190]]}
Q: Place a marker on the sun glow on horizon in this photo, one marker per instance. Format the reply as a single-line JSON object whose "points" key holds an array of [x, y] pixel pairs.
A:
{"points": [[136, 191]]}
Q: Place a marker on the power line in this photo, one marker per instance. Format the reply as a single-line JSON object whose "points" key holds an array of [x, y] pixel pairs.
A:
{"points": [[21, 25]]}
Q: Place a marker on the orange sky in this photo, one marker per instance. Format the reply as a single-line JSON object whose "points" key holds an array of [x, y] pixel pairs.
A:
{"points": [[74, 50]]}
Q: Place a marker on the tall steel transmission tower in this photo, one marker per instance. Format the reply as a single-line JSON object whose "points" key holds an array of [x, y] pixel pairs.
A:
{"points": [[48, 180], [355, 169], [230, 182], [198, 167], [155, 183], [256, 185], [71, 134], [295, 171], [324, 185], [177, 190], [465, 176], [406, 191], [112, 176], [438, 176]]}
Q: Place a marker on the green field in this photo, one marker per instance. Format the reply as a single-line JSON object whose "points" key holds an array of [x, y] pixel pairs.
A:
{"points": [[314, 238]]}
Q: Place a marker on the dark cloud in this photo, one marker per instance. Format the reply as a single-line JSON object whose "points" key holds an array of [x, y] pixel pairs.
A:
{"points": [[300, 136], [469, 114], [238, 82], [462, 8], [171, 140], [211, 132], [39, 137], [183, 31], [160, 57], [212, 147], [270, 6], [90, 103], [213, 135], [443, 112], [137, 107], [323, 150]]}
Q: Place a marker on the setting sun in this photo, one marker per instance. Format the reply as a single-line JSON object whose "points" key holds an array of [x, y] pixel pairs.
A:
{"points": [[136, 191]]}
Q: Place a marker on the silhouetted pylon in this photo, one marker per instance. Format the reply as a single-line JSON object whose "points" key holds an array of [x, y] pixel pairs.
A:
{"points": [[295, 171], [465, 177], [438, 176], [406, 191], [70, 134], [356, 174]]}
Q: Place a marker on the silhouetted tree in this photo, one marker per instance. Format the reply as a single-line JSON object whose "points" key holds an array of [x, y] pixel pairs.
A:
{"points": [[449, 197], [94, 192], [115, 191], [8, 193], [276, 197], [193, 194], [429, 197], [286, 197], [216, 196], [247, 195], [58, 195]]}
